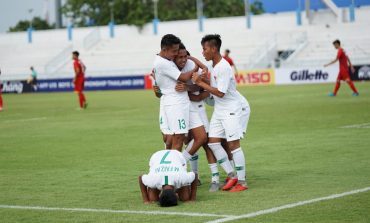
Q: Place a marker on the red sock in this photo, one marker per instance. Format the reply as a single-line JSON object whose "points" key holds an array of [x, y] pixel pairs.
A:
{"points": [[81, 99], [337, 86], [1, 101], [352, 86]]}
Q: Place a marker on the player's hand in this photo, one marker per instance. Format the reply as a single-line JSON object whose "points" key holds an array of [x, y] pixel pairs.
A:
{"points": [[205, 71], [196, 78], [181, 87], [353, 69], [156, 89]]}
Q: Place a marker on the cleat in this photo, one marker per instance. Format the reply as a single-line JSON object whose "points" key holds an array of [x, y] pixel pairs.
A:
{"points": [[85, 105], [214, 187], [331, 94], [230, 183], [355, 94], [227, 179], [199, 183], [238, 188]]}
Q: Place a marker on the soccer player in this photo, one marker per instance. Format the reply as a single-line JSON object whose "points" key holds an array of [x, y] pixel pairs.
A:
{"points": [[199, 124], [176, 104], [227, 57], [343, 70], [33, 78], [225, 119], [168, 179], [1, 98], [79, 79]]}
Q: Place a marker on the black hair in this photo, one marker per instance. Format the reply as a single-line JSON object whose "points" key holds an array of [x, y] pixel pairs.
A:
{"points": [[227, 51], [213, 40], [188, 53], [168, 198], [336, 42], [182, 47], [76, 53], [169, 40]]}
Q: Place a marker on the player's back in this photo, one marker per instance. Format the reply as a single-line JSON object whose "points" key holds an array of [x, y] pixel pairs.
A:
{"points": [[167, 161], [342, 57]]}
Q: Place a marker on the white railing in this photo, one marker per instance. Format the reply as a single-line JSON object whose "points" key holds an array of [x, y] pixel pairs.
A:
{"points": [[58, 61], [91, 39]]}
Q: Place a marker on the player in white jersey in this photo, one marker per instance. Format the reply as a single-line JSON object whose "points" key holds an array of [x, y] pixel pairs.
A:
{"points": [[176, 104], [198, 120], [167, 179], [225, 121]]}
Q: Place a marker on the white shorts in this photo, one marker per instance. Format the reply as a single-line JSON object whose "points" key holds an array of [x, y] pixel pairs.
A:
{"points": [[228, 128], [178, 180], [244, 119], [195, 119], [177, 118], [163, 121]]}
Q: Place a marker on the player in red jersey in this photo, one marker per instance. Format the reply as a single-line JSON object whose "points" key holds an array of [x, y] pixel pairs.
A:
{"points": [[343, 70], [1, 98], [79, 79], [229, 60]]}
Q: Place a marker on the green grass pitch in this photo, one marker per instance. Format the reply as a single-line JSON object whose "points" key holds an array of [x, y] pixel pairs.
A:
{"points": [[52, 155]]}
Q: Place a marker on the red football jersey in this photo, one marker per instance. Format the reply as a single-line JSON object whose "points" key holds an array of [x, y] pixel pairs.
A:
{"points": [[342, 57], [78, 64]]}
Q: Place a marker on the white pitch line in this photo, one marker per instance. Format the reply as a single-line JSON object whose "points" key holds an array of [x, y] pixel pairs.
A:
{"points": [[113, 211], [363, 125], [26, 120], [287, 206]]}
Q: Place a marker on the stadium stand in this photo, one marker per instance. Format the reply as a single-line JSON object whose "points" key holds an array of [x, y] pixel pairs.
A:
{"points": [[274, 41]]}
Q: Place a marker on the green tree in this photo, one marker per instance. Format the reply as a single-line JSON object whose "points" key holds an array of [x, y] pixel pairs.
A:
{"points": [[37, 24], [140, 12]]}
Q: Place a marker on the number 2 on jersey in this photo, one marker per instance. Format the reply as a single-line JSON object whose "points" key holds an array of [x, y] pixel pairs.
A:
{"points": [[163, 160]]}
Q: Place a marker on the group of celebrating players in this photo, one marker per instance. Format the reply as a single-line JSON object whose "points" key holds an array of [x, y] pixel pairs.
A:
{"points": [[184, 85]]}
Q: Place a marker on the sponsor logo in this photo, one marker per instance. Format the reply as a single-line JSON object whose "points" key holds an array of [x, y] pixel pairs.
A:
{"points": [[257, 77], [306, 75], [364, 72], [13, 87]]}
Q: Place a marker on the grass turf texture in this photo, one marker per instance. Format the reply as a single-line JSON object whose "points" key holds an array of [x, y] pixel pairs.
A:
{"points": [[52, 155]]}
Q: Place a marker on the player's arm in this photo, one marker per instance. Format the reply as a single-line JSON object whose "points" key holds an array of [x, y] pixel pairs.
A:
{"points": [[350, 65], [198, 80], [157, 91], [144, 191], [199, 97], [235, 69], [332, 62], [184, 77]]}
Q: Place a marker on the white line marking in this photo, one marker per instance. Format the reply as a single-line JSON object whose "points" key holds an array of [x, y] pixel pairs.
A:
{"points": [[357, 126], [26, 120], [113, 211], [287, 206]]}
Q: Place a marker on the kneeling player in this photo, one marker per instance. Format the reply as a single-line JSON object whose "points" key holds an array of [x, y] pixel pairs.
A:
{"points": [[168, 179]]}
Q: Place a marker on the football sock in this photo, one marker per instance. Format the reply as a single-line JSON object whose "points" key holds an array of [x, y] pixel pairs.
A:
{"points": [[238, 157], [214, 172], [221, 157], [193, 160]]}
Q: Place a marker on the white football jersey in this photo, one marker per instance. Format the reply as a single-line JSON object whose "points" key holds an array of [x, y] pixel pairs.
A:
{"points": [[166, 74], [222, 78], [167, 167]]}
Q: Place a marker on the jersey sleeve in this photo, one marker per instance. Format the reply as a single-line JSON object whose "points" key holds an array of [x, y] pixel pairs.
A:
{"points": [[169, 69], [223, 80]]}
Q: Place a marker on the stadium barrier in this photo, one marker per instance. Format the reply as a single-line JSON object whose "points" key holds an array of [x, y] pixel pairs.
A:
{"points": [[66, 84], [310, 75]]}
